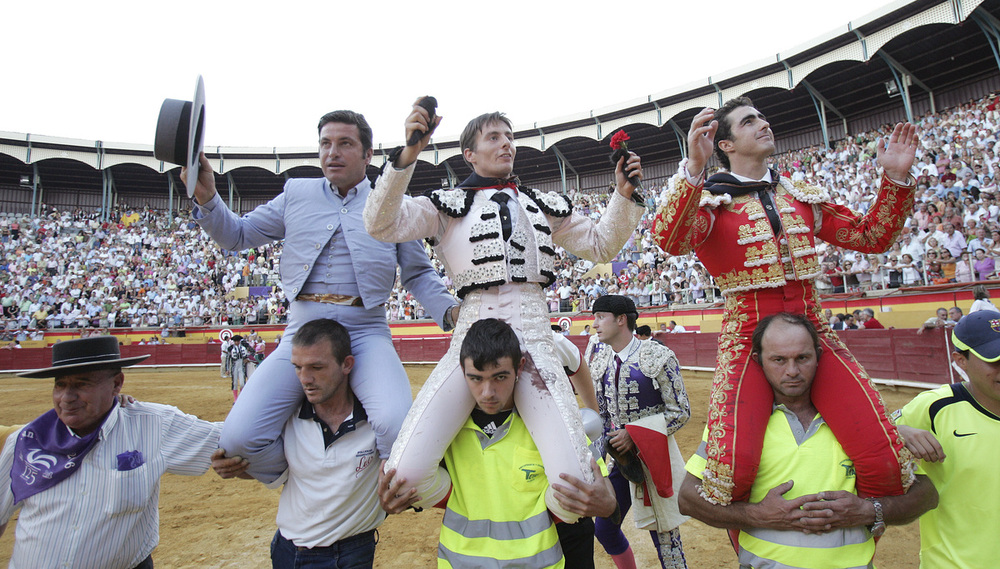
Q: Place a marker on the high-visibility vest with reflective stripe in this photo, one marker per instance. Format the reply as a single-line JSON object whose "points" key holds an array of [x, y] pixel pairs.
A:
{"points": [[496, 515], [819, 464]]}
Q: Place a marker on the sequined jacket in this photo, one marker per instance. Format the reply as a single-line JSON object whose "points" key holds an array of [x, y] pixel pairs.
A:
{"points": [[734, 239], [465, 228], [649, 383]]}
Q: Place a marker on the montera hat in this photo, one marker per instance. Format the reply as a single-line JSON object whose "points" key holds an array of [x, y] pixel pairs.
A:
{"points": [[615, 304], [979, 333], [180, 131], [83, 355]]}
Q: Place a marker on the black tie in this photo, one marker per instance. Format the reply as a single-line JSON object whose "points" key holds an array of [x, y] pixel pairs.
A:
{"points": [[771, 210], [501, 198]]}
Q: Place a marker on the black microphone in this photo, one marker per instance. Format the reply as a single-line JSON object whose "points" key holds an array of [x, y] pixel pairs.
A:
{"points": [[429, 103]]}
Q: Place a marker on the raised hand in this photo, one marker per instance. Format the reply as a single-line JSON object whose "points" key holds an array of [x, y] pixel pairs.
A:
{"points": [[896, 154], [701, 141], [204, 191], [624, 170], [419, 120]]}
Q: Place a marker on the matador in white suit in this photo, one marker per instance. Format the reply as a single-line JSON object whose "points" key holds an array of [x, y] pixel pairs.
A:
{"points": [[496, 241]]}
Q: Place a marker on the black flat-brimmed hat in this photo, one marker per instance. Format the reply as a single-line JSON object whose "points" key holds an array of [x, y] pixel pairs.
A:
{"points": [[615, 304], [83, 355], [180, 133]]}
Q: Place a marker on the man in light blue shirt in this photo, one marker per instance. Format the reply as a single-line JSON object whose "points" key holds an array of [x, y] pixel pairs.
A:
{"points": [[330, 268]]}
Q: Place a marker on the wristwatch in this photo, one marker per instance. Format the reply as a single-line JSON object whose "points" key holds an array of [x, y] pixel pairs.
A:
{"points": [[878, 528]]}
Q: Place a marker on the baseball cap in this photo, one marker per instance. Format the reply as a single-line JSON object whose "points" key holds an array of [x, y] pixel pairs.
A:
{"points": [[615, 304], [979, 333]]}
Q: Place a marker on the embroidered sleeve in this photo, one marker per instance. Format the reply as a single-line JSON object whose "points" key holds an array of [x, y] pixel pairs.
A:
{"points": [[873, 232], [392, 217], [598, 241], [663, 367], [677, 222]]}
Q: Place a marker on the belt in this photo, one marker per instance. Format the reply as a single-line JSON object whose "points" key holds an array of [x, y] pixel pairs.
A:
{"points": [[341, 299], [347, 541]]}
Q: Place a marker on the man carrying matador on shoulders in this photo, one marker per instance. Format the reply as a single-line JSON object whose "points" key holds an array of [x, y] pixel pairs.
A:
{"points": [[756, 234], [497, 241]]}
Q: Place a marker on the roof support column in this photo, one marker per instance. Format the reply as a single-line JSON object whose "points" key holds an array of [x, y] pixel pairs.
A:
{"points": [[563, 165], [105, 194], [912, 79], [597, 121], [902, 79], [232, 188], [170, 196], [659, 113], [681, 138], [718, 92], [991, 29], [35, 191], [452, 176]]}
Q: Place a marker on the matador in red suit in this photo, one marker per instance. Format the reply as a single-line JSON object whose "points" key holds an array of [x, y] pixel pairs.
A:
{"points": [[756, 234]]}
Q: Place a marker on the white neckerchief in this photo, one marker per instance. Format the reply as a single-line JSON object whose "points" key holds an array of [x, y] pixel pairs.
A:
{"points": [[628, 350], [767, 177]]}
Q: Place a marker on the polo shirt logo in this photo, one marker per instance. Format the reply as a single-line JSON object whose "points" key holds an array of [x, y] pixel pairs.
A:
{"points": [[848, 466], [365, 459], [530, 471]]}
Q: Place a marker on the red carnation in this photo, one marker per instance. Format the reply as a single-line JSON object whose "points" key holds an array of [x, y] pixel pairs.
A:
{"points": [[618, 140]]}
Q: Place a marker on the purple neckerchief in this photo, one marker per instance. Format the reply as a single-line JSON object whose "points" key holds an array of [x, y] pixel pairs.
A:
{"points": [[46, 453]]}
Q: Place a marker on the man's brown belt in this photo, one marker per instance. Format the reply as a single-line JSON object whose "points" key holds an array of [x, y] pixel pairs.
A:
{"points": [[341, 299]]}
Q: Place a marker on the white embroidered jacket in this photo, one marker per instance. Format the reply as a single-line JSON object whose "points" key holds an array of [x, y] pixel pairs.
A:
{"points": [[465, 228]]}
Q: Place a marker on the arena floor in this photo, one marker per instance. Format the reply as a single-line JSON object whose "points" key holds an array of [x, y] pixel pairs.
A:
{"points": [[209, 522]]}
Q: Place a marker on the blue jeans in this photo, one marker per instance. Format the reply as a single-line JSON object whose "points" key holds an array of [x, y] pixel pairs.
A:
{"points": [[253, 428], [355, 552]]}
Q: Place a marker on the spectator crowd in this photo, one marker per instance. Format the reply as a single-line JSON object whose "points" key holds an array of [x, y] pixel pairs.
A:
{"points": [[145, 269]]}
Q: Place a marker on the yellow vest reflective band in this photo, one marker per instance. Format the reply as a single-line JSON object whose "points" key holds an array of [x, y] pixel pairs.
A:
{"points": [[818, 464], [496, 515]]}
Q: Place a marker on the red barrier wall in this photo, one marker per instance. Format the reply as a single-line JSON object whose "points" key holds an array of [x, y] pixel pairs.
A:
{"points": [[886, 354]]}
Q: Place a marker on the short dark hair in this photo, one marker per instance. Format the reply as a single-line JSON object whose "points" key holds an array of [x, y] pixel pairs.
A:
{"points": [[789, 318], [630, 319], [315, 331], [476, 126], [725, 131], [350, 117], [644, 330], [487, 342], [979, 292]]}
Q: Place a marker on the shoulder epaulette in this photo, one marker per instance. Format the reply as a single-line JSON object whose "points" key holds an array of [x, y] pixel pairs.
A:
{"points": [[804, 192], [455, 203], [551, 203], [708, 199]]}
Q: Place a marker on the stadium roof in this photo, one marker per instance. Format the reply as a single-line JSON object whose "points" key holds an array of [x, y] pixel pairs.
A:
{"points": [[880, 68]]}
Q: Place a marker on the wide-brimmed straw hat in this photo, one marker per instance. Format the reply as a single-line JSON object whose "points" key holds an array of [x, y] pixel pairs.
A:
{"points": [[180, 133], [83, 355]]}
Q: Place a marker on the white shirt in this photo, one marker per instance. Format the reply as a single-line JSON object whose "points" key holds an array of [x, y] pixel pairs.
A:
{"points": [[567, 353], [99, 517], [330, 492]]}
